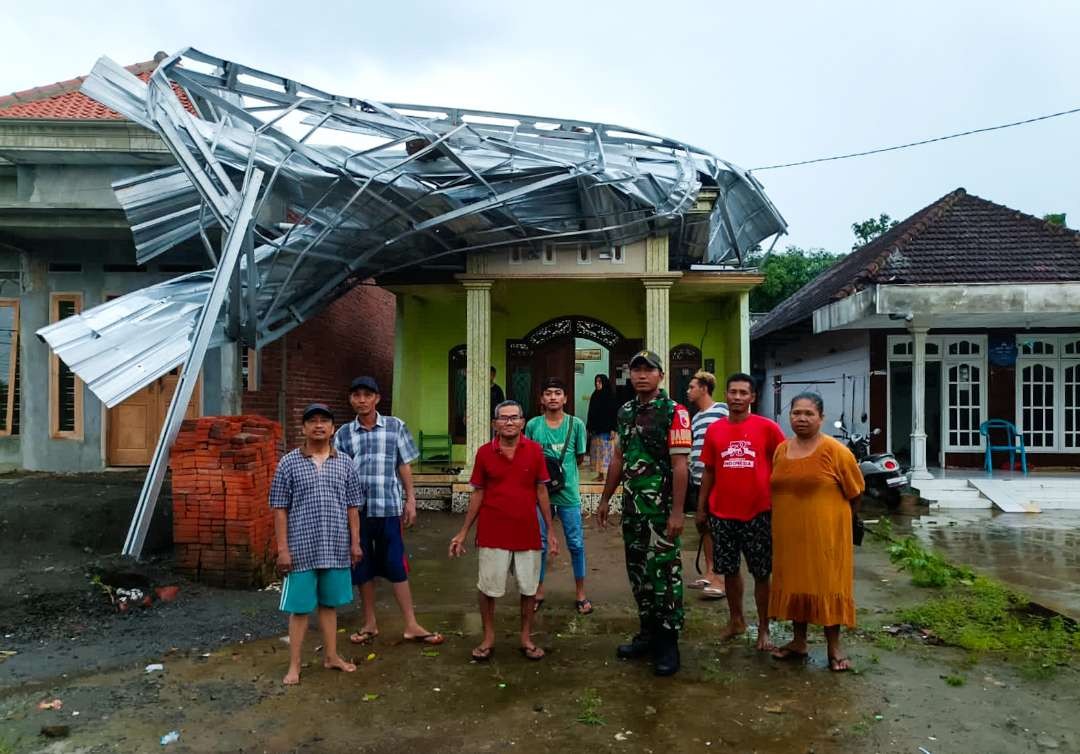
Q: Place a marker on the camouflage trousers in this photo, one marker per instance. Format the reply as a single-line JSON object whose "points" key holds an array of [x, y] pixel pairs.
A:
{"points": [[654, 567]]}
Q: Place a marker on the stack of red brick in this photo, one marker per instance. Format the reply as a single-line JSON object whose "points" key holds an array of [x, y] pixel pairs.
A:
{"points": [[223, 527]]}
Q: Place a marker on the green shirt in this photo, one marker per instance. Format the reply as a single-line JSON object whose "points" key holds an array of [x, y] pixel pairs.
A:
{"points": [[551, 440]]}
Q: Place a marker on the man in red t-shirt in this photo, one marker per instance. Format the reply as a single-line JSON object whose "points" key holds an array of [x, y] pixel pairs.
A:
{"points": [[509, 474], [735, 498]]}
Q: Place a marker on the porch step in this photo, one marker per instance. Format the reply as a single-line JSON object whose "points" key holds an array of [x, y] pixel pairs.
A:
{"points": [[1010, 497]]}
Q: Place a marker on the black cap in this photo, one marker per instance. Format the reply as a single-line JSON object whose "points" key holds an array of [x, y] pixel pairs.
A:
{"points": [[318, 408], [367, 383], [553, 382], [649, 357]]}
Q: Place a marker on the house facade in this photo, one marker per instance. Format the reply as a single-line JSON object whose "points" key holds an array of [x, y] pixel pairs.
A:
{"points": [[966, 311], [66, 246]]}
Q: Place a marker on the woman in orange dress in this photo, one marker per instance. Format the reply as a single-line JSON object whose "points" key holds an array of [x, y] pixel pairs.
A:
{"points": [[816, 486]]}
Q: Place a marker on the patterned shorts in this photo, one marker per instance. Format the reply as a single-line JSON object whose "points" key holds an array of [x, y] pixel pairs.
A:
{"points": [[733, 539]]}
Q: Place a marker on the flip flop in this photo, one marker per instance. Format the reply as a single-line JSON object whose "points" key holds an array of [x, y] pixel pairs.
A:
{"points": [[363, 637], [584, 607], [429, 639], [786, 654], [713, 593], [533, 653], [538, 604], [482, 654], [698, 584], [839, 664]]}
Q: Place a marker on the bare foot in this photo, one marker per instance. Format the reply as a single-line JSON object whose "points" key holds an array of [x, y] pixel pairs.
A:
{"points": [[791, 651], [731, 630], [291, 678], [337, 662], [764, 643], [839, 664]]}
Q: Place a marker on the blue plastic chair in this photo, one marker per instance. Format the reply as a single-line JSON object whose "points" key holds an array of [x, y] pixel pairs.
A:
{"points": [[1015, 442]]}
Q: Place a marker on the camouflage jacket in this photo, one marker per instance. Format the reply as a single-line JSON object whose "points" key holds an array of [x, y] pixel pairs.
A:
{"points": [[646, 435]]}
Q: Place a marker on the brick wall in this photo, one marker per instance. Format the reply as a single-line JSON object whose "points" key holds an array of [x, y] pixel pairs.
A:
{"points": [[354, 335], [223, 527]]}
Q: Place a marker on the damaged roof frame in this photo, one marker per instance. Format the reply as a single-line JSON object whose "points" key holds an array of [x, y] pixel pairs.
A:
{"points": [[414, 184]]}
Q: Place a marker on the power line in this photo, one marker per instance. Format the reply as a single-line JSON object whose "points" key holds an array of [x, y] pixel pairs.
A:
{"points": [[919, 143]]}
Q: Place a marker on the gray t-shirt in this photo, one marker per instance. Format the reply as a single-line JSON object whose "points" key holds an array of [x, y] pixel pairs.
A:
{"points": [[701, 422]]}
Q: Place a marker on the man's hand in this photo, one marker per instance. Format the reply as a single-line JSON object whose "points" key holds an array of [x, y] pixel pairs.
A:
{"points": [[602, 513], [409, 517], [674, 525], [699, 518], [356, 553], [553, 546], [284, 561], [457, 545]]}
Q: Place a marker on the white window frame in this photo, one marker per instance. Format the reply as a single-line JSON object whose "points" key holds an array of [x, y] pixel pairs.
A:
{"points": [[549, 255], [587, 259], [12, 376], [1059, 361], [942, 343], [515, 255]]}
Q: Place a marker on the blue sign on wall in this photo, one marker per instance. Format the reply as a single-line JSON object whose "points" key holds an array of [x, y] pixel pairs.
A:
{"points": [[1002, 351]]}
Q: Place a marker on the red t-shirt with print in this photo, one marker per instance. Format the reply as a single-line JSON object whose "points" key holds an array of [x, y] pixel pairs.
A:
{"points": [[508, 515], [740, 455]]}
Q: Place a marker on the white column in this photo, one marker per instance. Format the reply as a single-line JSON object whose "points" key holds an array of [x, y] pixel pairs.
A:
{"points": [[658, 316], [477, 366], [918, 404]]}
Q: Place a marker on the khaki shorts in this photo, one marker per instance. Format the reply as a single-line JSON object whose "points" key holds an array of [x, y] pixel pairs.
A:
{"points": [[496, 564]]}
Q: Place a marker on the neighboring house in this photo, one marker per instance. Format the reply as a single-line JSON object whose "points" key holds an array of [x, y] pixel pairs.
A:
{"points": [[65, 246], [980, 300]]}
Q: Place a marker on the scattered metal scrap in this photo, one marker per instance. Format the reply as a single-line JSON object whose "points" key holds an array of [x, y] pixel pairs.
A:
{"points": [[297, 194]]}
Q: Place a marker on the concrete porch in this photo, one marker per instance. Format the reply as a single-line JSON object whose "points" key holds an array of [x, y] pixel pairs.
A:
{"points": [[1009, 491]]}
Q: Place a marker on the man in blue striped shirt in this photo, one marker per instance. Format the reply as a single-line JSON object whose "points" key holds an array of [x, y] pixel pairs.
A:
{"points": [[699, 395], [382, 449]]}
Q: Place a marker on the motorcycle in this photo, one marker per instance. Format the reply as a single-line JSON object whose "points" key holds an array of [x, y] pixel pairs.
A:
{"points": [[881, 471]]}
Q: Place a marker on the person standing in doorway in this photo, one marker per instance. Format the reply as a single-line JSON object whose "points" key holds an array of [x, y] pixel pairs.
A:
{"points": [[497, 395], [563, 439], [382, 449], [508, 481], [736, 503], [700, 396], [651, 462], [600, 421], [315, 496]]}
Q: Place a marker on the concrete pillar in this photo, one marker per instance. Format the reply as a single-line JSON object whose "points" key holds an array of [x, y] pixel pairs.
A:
{"points": [[918, 404], [477, 366], [658, 315], [744, 332], [232, 384]]}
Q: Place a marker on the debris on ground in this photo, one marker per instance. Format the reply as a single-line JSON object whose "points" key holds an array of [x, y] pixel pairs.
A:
{"points": [[171, 737], [907, 630], [55, 731], [6, 653], [52, 704], [154, 666], [167, 593]]}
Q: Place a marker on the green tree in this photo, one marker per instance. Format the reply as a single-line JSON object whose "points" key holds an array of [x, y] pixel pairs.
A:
{"points": [[786, 272], [868, 230], [1055, 218]]}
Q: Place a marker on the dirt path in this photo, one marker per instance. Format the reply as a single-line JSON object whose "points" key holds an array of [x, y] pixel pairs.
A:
{"points": [[728, 698]]}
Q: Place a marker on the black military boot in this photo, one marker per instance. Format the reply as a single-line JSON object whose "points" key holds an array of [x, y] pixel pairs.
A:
{"points": [[639, 646], [666, 653]]}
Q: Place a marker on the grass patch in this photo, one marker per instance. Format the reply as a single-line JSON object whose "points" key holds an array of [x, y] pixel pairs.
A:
{"points": [[954, 680], [926, 568], [589, 713]]}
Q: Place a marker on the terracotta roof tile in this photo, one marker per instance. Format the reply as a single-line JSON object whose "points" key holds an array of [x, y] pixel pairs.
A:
{"points": [[960, 238], [63, 100]]}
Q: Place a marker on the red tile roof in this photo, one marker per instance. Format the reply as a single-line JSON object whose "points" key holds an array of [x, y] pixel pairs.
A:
{"points": [[960, 238], [63, 101]]}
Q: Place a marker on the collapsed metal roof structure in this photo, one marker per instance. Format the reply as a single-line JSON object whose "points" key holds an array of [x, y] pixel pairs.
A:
{"points": [[297, 195]]}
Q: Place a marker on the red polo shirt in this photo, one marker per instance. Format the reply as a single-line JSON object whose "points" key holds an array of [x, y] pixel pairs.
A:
{"points": [[507, 518]]}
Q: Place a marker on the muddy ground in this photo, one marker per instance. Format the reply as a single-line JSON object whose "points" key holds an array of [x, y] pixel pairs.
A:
{"points": [[223, 659]]}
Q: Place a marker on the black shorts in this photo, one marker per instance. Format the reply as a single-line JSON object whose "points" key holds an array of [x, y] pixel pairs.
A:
{"points": [[733, 539], [692, 491]]}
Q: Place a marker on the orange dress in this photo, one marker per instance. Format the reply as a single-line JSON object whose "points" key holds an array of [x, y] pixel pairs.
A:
{"points": [[813, 573]]}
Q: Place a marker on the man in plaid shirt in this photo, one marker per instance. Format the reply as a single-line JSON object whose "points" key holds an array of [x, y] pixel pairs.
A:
{"points": [[382, 449]]}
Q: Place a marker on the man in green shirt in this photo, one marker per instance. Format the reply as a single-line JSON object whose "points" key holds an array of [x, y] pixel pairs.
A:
{"points": [[563, 437]]}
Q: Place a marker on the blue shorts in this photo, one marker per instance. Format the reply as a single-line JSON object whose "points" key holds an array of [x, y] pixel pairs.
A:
{"points": [[323, 587], [384, 551]]}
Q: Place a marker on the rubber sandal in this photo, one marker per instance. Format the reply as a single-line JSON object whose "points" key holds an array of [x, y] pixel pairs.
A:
{"points": [[836, 662], [363, 637], [533, 653], [699, 584], [584, 607], [482, 654], [432, 640], [713, 593]]}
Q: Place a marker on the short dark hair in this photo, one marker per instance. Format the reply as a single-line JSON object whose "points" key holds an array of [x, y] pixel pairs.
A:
{"points": [[706, 379], [741, 377], [813, 397], [504, 404], [553, 383], [493, 371]]}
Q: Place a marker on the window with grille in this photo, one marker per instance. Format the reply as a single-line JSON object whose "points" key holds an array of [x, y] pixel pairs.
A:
{"points": [[965, 392], [65, 389], [1037, 405], [9, 367], [1048, 392], [1070, 406]]}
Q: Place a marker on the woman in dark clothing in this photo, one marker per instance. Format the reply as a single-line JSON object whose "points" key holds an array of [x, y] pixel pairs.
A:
{"points": [[603, 409]]}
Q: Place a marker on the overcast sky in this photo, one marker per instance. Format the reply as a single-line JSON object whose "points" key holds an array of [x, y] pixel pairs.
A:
{"points": [[755, 83]]}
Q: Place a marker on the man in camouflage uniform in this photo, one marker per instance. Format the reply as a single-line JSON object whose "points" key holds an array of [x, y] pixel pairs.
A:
{"points": [[651, 462]]}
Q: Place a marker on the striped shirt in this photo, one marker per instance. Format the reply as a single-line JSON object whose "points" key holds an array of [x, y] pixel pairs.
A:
{"points": [[702, 420], [317, 500], [376, 454]]}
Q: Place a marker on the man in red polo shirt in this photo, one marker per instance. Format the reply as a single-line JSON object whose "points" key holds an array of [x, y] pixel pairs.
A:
{"points": [[508, 480]]}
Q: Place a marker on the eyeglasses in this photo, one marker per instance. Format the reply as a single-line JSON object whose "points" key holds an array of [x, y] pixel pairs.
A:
{"points": [[509, 419]]}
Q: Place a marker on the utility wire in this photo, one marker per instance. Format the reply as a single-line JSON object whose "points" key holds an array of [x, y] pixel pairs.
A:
{"points": [[919, 143]]}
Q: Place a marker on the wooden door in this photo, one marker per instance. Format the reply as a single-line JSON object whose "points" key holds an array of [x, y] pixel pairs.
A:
{"points": [[135, 424], [553, 359]]}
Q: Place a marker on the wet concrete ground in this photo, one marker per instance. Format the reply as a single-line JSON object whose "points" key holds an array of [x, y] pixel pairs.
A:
{"points": [[727, 698]]}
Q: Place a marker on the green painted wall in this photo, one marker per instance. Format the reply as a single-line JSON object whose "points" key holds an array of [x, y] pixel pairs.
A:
{"points": [[712, 326]]}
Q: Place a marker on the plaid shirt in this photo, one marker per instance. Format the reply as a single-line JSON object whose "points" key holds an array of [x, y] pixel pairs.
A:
{"points": [[317, 500], [376, 454]]}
